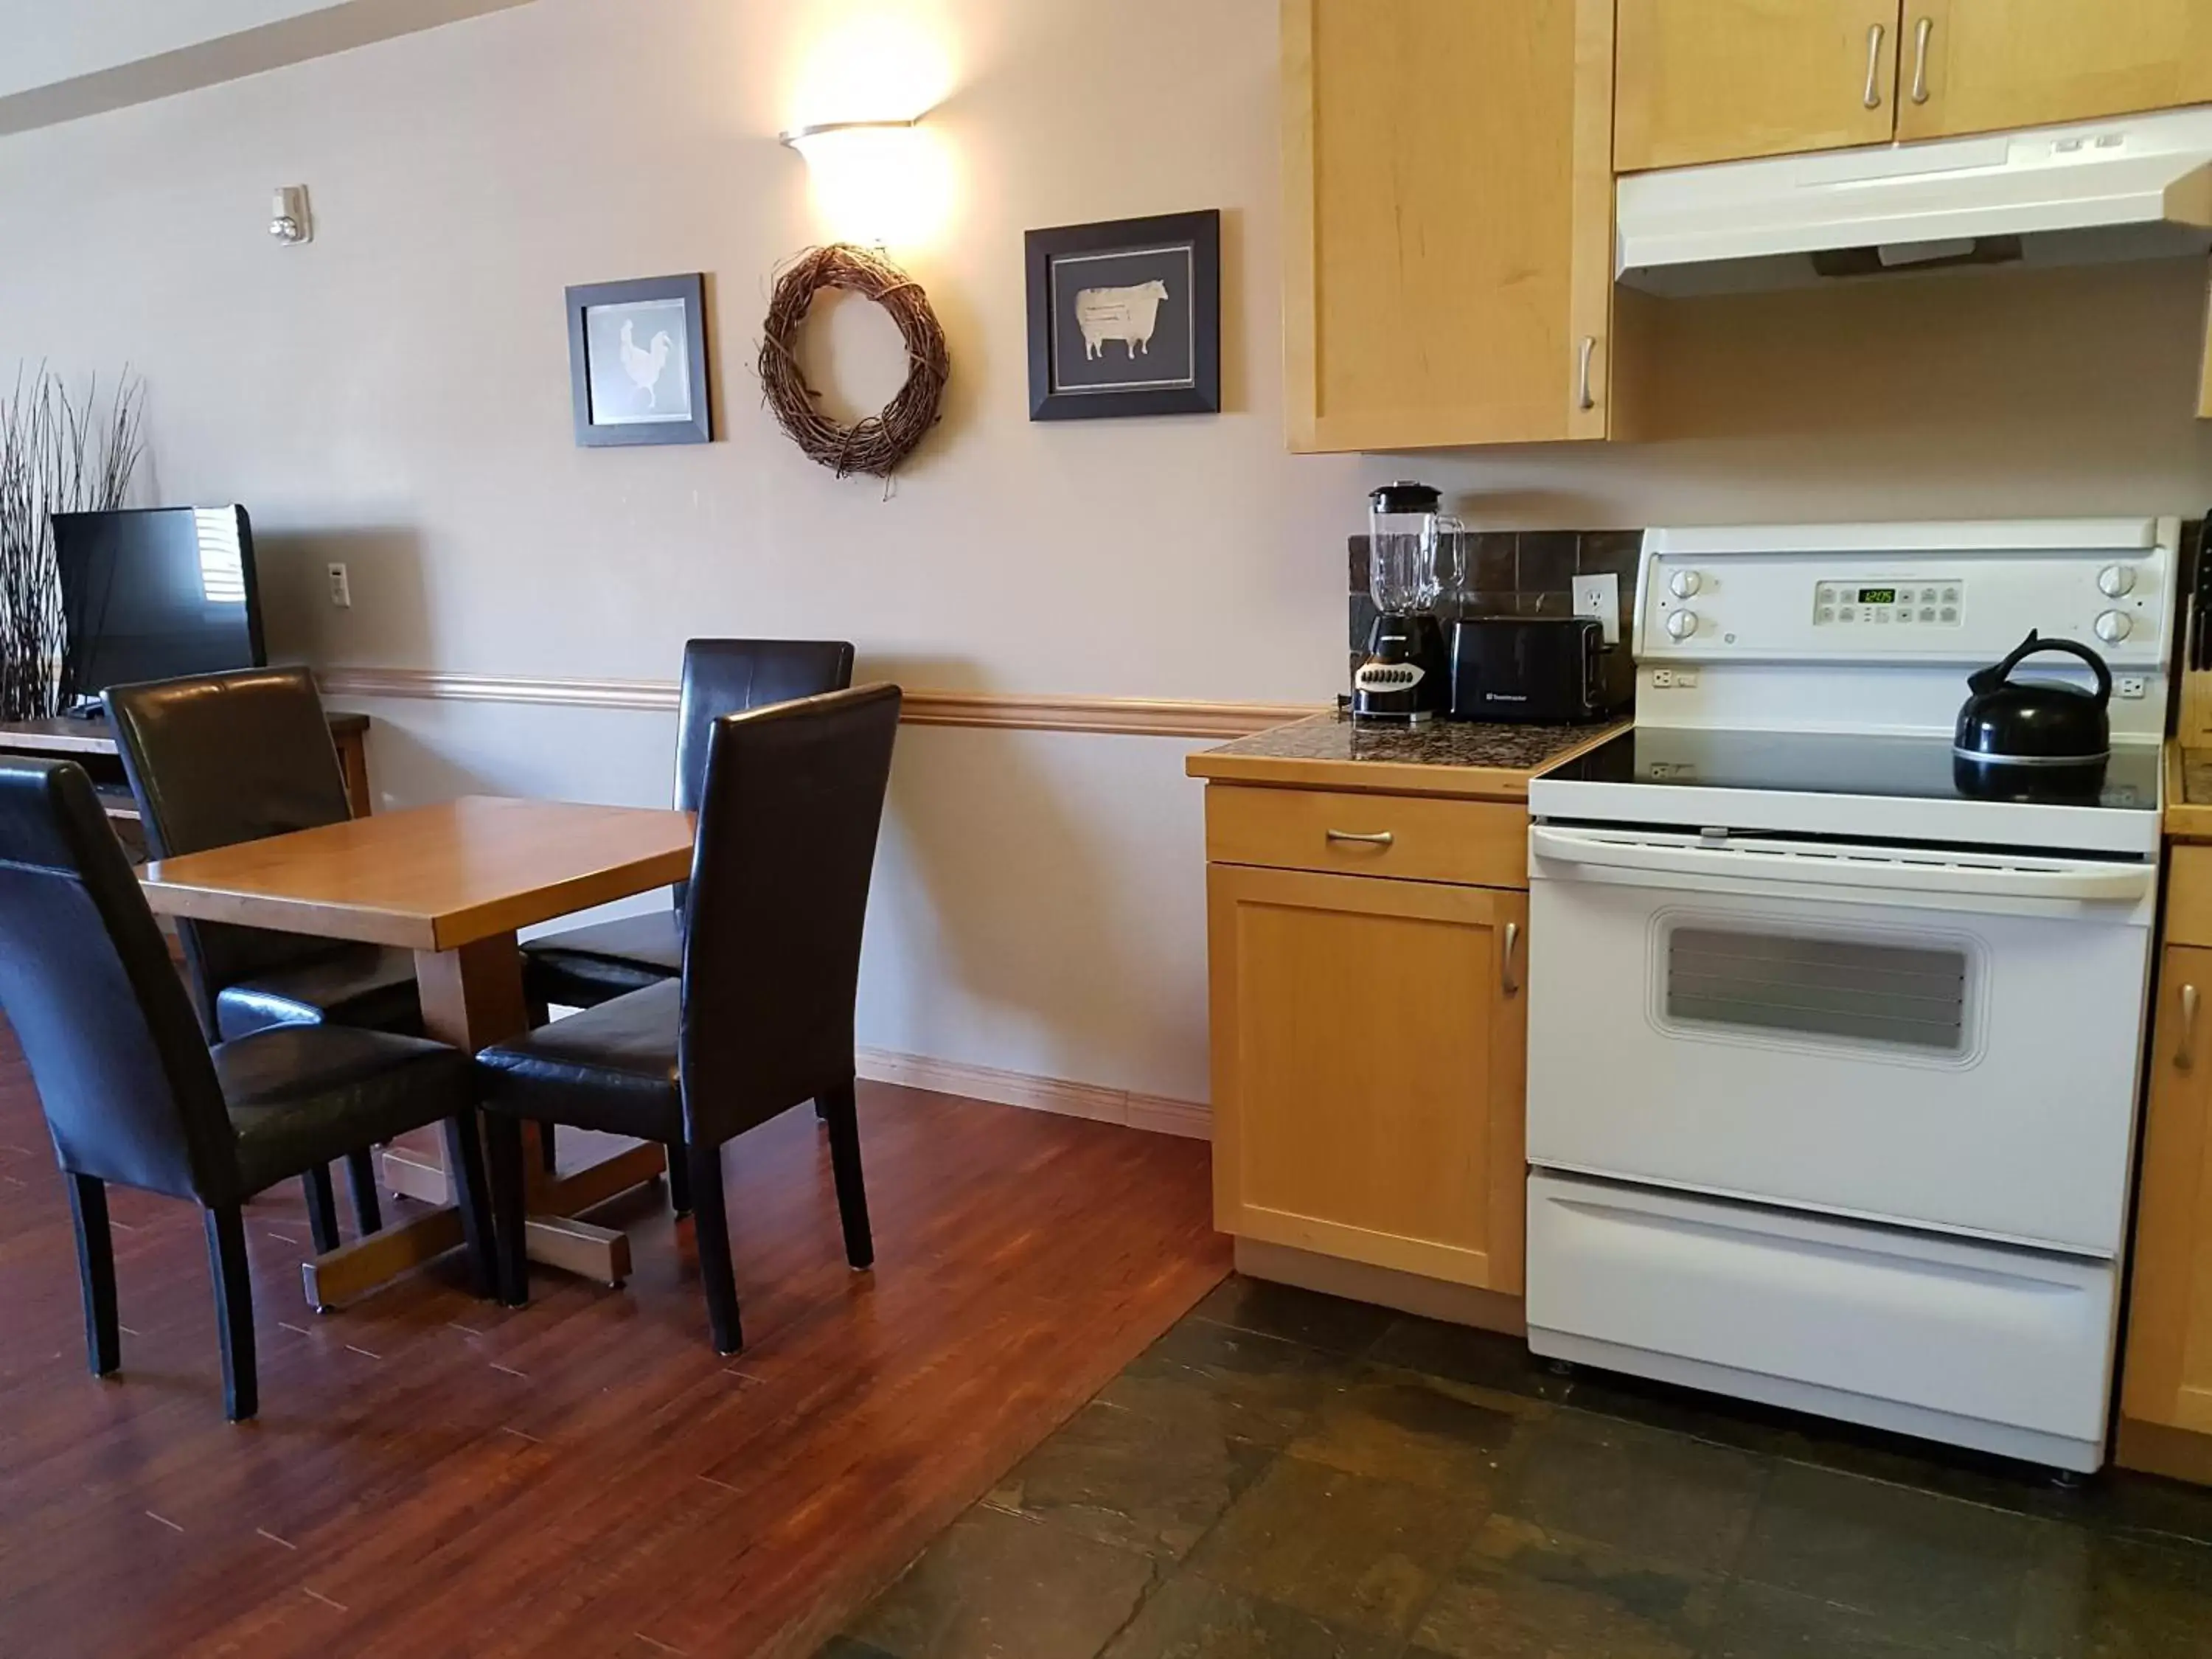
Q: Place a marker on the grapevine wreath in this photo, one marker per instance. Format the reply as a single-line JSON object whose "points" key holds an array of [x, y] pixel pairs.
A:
{"points": [[877, 444]]}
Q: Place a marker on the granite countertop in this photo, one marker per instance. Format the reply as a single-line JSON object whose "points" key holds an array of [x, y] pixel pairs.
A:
{"points": [[1474, 758]]}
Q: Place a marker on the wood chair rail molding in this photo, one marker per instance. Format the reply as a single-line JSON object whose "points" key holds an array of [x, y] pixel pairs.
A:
{"points": [[1156, 717]]}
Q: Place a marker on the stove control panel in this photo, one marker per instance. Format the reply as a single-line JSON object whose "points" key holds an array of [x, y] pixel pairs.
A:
{"points": [[1912, 601], [1911, 596]]}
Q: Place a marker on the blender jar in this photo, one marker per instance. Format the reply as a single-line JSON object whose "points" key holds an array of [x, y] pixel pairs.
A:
{"points": [[1409, 563]]}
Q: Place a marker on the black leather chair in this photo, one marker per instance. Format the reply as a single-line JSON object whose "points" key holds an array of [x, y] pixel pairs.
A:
{"points": [[583, 967], [133, 1093], [760, 1019], [229, 758]]}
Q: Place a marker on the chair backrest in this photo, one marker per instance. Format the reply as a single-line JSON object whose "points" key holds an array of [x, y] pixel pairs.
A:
{"points": [[727, 677], [779, 892], [219, 758], [129, 1092]]}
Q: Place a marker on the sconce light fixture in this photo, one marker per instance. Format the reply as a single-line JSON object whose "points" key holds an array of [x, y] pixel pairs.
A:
{"points": [[823, 138], [880, 182], [289, 219]]}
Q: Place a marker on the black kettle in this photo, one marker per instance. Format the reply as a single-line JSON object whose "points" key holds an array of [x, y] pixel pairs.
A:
{"points": [[2025, 740]]}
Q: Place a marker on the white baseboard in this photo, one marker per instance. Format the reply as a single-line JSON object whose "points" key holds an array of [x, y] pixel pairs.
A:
{"points": [[1154, 1113]]}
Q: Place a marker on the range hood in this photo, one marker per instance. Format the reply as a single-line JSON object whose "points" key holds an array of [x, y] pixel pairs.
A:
{"points": [[2137, 186]]}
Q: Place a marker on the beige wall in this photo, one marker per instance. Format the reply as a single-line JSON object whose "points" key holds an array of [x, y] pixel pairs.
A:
{"points": [[396, 396]]}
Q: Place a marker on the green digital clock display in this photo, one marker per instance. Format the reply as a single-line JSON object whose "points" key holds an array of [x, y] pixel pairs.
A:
{"points": [[1877, 596]]}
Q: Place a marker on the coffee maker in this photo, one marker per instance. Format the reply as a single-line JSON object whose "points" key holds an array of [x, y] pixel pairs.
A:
{"points": [[1414, 554]]}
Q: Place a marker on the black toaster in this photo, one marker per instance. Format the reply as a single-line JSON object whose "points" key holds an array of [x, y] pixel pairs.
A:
{"points": [[1557, 670]]}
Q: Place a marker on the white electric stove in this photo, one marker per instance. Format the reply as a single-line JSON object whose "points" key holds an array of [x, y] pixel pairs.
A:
{"points": [[1832, 1057]]}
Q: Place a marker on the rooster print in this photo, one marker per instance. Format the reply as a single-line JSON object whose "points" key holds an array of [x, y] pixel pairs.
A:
{"points": [[643, 365]]}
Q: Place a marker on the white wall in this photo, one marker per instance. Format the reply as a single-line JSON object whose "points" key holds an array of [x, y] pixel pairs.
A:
{"points": [[396, 395]]}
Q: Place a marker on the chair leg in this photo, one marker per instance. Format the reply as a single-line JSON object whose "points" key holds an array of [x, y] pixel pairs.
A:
{"points": [[95, 1266], [322, 1208], [820, 1112], [679, 1181], [842, 1114], [465, 1160], [548, 1154], [710, 1231], [360, 1175], [233, 1311], [503, 1148]]}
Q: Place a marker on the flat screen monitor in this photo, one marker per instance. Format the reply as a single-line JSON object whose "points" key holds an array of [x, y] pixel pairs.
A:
{"points": [[155, 594]]}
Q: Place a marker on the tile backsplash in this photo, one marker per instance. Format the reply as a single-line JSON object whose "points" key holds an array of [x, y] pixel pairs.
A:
{"points": [[1516, 573]]}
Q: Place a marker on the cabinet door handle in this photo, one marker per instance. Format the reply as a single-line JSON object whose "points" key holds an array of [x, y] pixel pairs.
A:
{"points": [[2185, 1052], [1873, 66], [1380, 838], [1583, 399], [1921, 31], [1506, 977]]}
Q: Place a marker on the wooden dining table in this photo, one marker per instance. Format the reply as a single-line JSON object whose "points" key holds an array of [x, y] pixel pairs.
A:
{"points": [[452, 883]]}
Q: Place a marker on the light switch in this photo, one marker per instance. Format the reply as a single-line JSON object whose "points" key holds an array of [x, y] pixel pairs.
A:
{"points": [[341, 591]]}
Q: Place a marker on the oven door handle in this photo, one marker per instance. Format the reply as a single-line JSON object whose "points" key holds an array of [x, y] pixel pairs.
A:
{"points": [[2119, 884]]}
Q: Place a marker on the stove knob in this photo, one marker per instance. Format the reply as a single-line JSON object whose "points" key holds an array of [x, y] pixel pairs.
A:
{"points": [[1683, 623], [2113, 626], [1683, 584], [2115, 581]]}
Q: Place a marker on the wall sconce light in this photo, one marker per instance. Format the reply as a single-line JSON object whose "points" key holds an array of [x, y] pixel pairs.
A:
{"points": [[289, 219], [881, 182], [823, 138]]}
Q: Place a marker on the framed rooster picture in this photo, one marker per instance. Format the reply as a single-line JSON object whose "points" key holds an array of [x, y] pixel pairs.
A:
{"points": [[1125, 318], [637, 361]]}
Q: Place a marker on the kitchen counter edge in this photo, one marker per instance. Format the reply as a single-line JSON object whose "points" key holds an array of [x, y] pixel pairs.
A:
{"points": [[1470, 780]]}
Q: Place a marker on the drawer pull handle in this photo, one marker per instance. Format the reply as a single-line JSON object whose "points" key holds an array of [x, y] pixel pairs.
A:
{"points": [[2185, 1052], [1505, 973], [1380, 838], [1874, 67], [1921, 31]]}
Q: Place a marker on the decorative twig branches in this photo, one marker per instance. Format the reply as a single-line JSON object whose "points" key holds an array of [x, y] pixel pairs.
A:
{"points": [[57, 455]]}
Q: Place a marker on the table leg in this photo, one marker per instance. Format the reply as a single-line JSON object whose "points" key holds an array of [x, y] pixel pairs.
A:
{"points": [[472, 997]]}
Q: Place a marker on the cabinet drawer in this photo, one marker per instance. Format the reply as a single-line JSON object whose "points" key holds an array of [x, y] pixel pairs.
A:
{"points": [[1476, 843], [2189, 896]]}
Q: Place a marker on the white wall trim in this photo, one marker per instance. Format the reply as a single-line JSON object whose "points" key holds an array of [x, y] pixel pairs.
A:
{"points": [[1154, 1113], [1159, 717]]}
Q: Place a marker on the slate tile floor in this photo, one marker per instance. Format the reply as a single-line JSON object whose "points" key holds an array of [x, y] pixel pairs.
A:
{"points": [[1288, 1476]]}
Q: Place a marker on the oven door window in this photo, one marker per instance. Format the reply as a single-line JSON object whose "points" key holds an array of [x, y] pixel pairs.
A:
{"points": [[1905, 996]]}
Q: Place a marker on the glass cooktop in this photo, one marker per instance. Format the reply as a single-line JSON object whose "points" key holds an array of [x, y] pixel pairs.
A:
{"points": [[1852, 764]]}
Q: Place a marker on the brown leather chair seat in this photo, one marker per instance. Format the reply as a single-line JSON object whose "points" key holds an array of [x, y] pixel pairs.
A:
{"points": [[762, 1018], [580, 967], [133, 1094]]}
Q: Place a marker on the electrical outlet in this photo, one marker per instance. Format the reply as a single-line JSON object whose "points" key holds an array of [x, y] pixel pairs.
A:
{"points": [[1662, 679], [1599, 596], [341, 590], [2128, 685]]}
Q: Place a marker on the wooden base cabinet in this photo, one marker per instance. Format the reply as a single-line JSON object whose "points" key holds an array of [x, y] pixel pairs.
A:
{"points": [[1370, 1045], [2166, 1379]]}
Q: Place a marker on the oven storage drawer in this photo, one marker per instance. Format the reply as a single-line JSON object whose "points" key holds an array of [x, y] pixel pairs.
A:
{"points": [[2014, 1339]]}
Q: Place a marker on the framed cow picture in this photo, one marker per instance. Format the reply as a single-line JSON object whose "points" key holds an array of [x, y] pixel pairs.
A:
{"points": [[1125, 318]]}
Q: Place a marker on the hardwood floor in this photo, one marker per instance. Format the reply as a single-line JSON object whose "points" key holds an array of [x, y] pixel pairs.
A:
{"points": [[434, 1475]]}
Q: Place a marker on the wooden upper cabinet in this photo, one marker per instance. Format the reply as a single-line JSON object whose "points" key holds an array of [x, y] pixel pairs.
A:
{"points": [[1449, 220], [1985, 65], [2166, 1379], [1721, 80]]}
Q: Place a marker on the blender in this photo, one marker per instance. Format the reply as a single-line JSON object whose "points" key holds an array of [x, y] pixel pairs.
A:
{"points": [[1403, 677]]}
